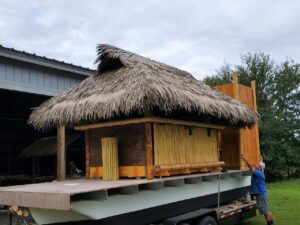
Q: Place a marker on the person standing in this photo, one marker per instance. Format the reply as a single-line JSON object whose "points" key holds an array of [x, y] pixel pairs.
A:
{"points": [[258, 188]]}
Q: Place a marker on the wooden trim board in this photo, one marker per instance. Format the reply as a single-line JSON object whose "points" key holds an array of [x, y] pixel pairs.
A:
{"points": [[146, 120], [124, 171]]}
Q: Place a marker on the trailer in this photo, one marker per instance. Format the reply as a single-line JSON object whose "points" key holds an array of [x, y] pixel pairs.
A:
{"points": [[175, 200], [160, 146], [226, 214]]}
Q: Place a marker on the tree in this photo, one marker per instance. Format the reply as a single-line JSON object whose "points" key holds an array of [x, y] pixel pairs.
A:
{"points": [[278, 101]]}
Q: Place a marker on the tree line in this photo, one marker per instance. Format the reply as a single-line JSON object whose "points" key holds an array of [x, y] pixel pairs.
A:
{"points": [[278, 103]]}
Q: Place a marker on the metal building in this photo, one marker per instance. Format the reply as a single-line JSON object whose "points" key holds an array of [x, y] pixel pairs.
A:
{"points": [[26, 80]]}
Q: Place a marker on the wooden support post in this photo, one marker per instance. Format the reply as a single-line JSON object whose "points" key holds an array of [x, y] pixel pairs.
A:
{"points": [[253, 87], [235, 80], [219, 144], [110, 158], [61, 154], [236, 95], [87, 154], [149, 152]]}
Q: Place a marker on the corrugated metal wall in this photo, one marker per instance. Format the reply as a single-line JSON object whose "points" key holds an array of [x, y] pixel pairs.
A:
{"points": [[29, 78]]}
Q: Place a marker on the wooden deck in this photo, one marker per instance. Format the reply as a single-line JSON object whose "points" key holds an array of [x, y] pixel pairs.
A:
{"points": [[57, 194]]}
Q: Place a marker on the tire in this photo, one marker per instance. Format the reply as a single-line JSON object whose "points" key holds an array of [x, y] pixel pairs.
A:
{"points": [[207, 220]]}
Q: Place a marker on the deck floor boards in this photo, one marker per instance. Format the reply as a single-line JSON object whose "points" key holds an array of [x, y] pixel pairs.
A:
{"points": [[57, 194], [76, 186]]}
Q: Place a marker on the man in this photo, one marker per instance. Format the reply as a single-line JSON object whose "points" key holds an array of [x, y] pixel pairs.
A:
{"points": [[259, 189]]}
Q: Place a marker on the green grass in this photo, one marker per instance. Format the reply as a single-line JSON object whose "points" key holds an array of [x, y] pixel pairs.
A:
{"points": [[284, 203]]}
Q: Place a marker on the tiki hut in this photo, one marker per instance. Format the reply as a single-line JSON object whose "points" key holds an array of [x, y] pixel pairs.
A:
{"points": [[143, 118]]}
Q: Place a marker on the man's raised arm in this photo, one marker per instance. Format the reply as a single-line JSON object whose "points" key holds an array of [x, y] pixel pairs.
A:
{"points": [[251, 167]]}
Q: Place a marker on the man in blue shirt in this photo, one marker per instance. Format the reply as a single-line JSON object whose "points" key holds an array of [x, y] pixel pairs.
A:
{"points": [[258, 188]]}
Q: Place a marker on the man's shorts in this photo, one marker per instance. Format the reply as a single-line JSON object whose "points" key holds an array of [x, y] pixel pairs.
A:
{"points": [[262, 204]]}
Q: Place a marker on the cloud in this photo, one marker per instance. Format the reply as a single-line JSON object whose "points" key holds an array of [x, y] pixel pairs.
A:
{"points": [[193, 35]]}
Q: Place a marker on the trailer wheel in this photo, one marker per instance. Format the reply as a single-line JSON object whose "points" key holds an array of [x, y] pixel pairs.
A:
{"points": [[207, 220]]}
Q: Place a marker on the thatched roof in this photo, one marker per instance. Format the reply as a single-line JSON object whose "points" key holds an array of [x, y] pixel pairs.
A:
{"points": [[127, 84]]}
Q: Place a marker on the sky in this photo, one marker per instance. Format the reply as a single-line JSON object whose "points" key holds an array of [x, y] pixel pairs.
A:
{"points": [[194, 35]]}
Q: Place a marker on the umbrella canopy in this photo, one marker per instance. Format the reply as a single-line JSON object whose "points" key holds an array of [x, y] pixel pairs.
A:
{"points": [[45, 146]]}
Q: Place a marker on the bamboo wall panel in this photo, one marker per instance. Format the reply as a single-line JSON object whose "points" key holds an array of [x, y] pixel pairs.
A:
{"points": [[131, 144], [177, 144], [110, 158]]}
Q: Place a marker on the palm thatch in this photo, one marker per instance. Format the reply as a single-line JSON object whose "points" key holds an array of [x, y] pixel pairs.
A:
{"points": [[127, 84]]}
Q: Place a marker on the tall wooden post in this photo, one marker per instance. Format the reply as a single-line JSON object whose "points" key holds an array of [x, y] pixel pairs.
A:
{"points": [[61, 154], [253, 87], [149, 151], [236, 95], [87, 154]]}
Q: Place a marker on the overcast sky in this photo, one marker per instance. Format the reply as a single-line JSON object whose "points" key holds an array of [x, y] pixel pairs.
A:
{"points": [[197, 36]]}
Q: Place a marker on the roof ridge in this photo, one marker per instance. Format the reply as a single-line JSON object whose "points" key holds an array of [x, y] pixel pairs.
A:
{"points": [[108, 52]]}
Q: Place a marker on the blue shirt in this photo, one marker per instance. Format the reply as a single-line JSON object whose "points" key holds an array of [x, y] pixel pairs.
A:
{"points": [[258, 183]]}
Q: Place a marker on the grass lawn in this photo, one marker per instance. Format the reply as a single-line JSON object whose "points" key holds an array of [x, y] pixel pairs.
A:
{"points": [[284, 203]]}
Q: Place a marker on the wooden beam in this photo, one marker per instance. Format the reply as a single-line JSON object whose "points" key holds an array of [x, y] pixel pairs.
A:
{"points": [[189, 166], [61, 154], [236, 95], [149, 151], [146, 120], [241, 149], [235, 80], [87, 154], [124, 171], [253, 87]]}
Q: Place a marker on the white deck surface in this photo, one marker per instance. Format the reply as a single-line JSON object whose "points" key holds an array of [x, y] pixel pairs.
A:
{"points": [[77, 186], [57, 194]]}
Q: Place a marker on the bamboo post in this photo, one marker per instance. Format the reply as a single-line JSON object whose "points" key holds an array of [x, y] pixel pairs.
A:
{"points": [[87, 154], [237, 96], [110, 158], [61, 154], [149, 151], [253, 87]]}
